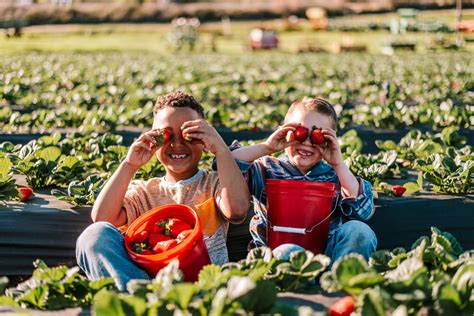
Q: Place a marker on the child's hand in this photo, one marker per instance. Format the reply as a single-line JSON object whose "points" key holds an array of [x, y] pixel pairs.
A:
{"points": [[142, 150], [330, 150], [203, 131], [279, 140]]}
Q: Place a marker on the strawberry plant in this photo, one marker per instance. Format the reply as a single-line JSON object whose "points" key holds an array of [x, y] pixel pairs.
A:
{"points": [[447, 174], [81, 192], [8, 188]]}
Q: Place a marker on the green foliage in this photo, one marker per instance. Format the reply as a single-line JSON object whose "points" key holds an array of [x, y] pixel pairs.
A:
{"points": [[434, 274]]}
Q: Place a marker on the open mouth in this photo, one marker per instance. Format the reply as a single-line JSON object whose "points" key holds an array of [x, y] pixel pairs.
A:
{"points": [[178, 157], [304, 153]]}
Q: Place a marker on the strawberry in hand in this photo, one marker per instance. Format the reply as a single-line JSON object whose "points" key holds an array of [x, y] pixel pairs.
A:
{"points": [[162, 136], [317, 136], [301, 133], [24, 193]]}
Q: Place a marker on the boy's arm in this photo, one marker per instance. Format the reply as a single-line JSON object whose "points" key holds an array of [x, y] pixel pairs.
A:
{"points": [[357, 198], [234, 198], [108, 206], [275, 143]]}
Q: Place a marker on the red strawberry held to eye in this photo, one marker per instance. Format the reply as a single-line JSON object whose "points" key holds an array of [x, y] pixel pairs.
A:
{"points": [[317, 136], [398, 190], [163, 246], [176, 226], [25, 193], [301, 133], [162, 137], [343, 307]]}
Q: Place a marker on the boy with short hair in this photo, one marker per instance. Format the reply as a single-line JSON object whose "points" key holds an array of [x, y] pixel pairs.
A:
{"points": [[218, 197], [304, 161]]}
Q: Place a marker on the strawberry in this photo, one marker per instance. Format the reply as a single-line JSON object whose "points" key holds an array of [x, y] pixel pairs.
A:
{"points": [[141, 237], [183, 235], [176, 226], [162, 137], [25, 193], [163, 246], [146, 252], [139, 248], [155, 238], [301, 133], [398, 190], [343, 307], [317, 136], [190, 139], [160, 227]]}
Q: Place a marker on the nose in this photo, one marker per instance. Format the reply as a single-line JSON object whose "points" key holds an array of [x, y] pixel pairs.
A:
{"points": [[177, 139]]}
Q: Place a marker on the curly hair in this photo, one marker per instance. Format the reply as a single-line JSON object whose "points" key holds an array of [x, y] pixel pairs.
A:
{"points": [[178, 99], [318, 105]]}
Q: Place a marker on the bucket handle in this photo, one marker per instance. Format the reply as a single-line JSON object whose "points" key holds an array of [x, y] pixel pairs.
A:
{"points": [[303, 231]]}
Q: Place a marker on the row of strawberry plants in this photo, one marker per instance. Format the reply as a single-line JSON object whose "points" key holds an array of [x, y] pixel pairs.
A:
{"points": [[77, 166], [435, 277], [106, 91]]}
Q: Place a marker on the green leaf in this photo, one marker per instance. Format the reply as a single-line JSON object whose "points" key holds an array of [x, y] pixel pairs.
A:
{"points": [[182, 294], [101, 283], [463, 279], [8, 301], [133, 305], [51, 153], [365, 280], [5, 166], [107, 303], [411, 187], [259, 299], [370, 303], [448, 301], [35, 297]]}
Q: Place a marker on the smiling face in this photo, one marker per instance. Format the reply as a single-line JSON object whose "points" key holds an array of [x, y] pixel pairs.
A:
{"points": [[179, 157], [304, 155]]}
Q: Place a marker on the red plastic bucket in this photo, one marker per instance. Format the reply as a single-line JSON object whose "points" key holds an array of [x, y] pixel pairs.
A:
{"points": [[191, 253], [299, 212]]}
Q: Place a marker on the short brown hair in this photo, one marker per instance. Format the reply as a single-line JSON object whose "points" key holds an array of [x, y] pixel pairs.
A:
{"points": [[178, 99], [317, 104]]}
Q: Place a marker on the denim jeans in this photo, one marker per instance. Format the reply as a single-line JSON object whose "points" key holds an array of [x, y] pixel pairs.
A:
{"points": [[100, 252], [352, 236]]}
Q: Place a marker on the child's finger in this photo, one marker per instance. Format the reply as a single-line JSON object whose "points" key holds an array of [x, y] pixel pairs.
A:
{"points": [[142, 145], [191, 123], [290, 136], [331, 139], [149, 139], [284, 130], [191, 129], [329, 132]]}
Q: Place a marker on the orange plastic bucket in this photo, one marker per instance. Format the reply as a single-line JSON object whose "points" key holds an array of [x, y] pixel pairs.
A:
{"points": [[299, 212], [191, 253]]}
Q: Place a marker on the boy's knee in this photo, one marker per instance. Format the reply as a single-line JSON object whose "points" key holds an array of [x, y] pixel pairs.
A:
{"points": [[360, 233], [283, 251], [96, 238]]}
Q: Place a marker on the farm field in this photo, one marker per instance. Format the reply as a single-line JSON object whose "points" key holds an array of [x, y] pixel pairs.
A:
{"points": [[71, 102]]}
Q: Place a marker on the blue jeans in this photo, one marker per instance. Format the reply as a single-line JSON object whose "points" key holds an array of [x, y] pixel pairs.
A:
{"points": [[352, 236], [100, 252]]}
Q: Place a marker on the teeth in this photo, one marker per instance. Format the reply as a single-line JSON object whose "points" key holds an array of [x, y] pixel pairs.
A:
{"points": [[304, 153], [178, 156]]}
